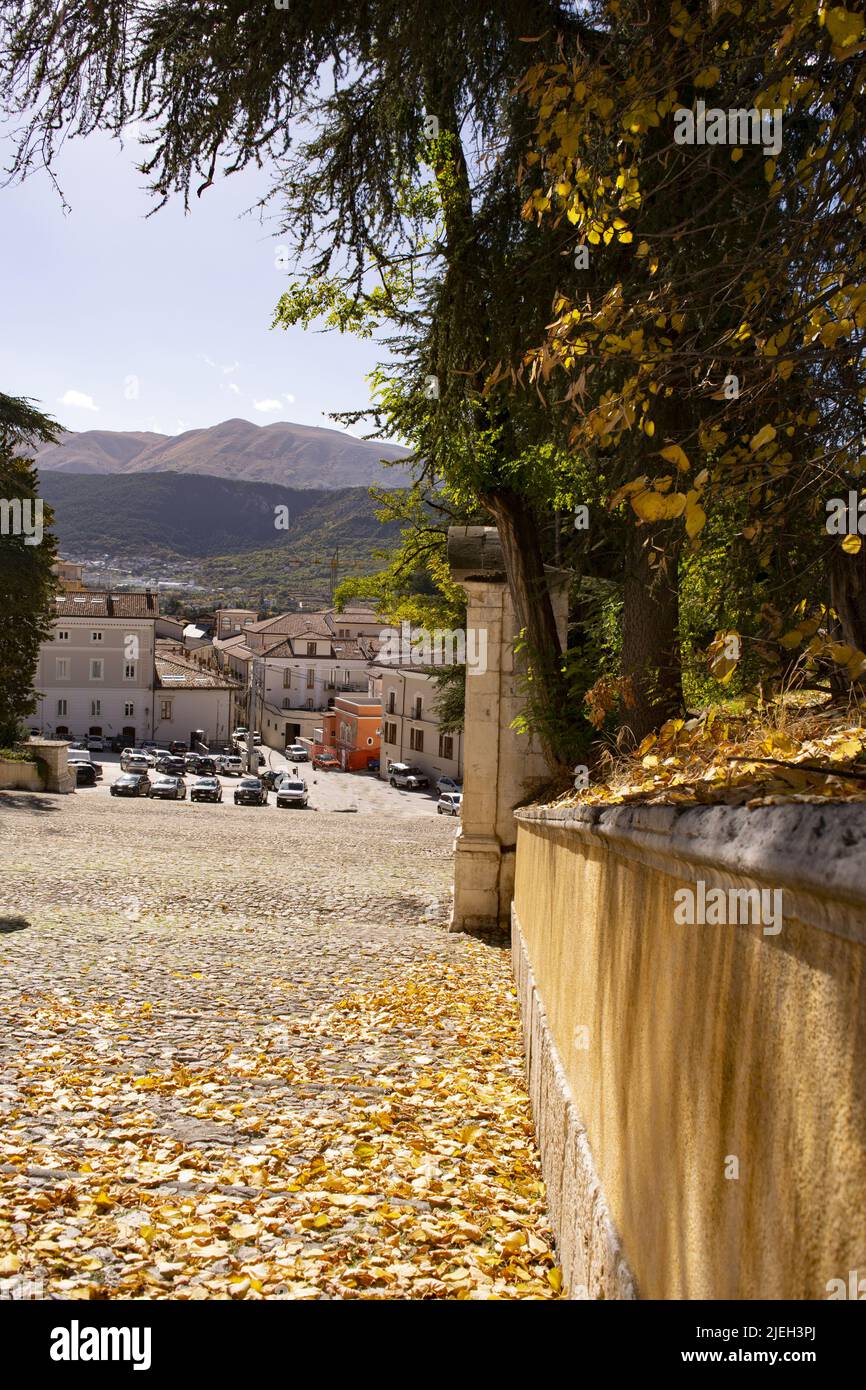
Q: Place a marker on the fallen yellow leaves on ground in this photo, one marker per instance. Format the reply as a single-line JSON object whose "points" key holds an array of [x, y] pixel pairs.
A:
{"points": [[789, 751], [328, 1166]]}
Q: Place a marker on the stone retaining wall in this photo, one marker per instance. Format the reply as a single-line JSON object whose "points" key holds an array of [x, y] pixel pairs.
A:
{"points": [[699, 1090], [19, 776]]}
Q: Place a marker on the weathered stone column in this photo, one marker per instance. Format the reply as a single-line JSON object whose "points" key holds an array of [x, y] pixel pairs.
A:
{"points": [[500, 766], [54, 752]]}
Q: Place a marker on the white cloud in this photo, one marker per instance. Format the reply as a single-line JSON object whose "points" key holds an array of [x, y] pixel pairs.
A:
{"points": [[79, 399], [227, 371], [267, 406], [233, 386], [287, 396]]}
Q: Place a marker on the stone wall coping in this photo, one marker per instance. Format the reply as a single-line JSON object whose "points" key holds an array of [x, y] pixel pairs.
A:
{"points": [[817, 851]]}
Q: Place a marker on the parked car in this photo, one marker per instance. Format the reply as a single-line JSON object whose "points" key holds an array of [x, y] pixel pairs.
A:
{"points": [[449, 804], [297, 753], [133, 762], [250, 792], [174, 766], [178, 747], [206, 767], [232, 766], [131, 784], [155, 755], [167, 788], [79, 743], [327, 762], [85, 774], [96, 743], [79, 756], [273, 778], [206, 789], [408, 776], [291, 794], [239, 733], [448, 784]]}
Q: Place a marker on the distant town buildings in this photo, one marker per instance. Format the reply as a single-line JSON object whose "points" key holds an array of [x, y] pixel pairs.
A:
{"points": [[116, 667]]}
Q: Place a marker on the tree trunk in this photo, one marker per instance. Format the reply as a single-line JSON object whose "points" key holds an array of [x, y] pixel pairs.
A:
{"points": [[848, 594], [650, 634], [527, 582]]}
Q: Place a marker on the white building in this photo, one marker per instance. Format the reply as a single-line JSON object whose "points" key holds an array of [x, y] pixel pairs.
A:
{"points": [[410, 724], [95, 673], [190, 697]]}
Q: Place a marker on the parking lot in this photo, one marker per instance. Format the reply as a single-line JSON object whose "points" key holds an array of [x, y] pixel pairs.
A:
{"points": [[352, 792]]}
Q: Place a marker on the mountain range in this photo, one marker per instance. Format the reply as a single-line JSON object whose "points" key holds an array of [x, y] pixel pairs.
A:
{"points": [[297, 456]]}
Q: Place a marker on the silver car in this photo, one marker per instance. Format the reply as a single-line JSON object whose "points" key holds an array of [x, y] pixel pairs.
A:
{"points": [[291, 794], [449, 804]]}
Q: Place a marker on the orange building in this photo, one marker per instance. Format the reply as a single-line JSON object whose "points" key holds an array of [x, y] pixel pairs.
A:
{"points": [[352, 731]]}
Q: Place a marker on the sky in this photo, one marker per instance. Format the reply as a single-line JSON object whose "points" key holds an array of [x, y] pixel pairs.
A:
{"points": [[113, 320]]}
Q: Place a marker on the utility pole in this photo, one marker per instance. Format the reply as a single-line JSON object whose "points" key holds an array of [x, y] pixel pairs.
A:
{"points": [[256, 683]]}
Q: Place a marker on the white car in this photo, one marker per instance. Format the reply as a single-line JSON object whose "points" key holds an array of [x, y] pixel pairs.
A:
{"points": [[232, 767], [96, 743], [130, 761], [291, 794], [297, 753], [448, 784], [449, 804], [407, 775]]}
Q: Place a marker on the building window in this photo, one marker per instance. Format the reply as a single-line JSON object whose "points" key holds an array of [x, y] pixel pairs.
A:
{"points": [[345, 732], [309, 704], [287, 704], [61, 666], [392, 699], [96, 669], [96, 636], [95, 709], [63, 636], [287, 679], [446, 746], [129, 671], [62, 708], [165, 711], [311, 649], [129, 710], [416, 740], [417, 714], [311, 679]]}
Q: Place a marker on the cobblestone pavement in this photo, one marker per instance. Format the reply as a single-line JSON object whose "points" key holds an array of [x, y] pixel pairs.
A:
{"points": [[246, 1059]]}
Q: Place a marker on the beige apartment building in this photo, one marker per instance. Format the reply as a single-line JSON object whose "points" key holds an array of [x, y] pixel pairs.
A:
{"points": [[410, 725], [95, 673]]}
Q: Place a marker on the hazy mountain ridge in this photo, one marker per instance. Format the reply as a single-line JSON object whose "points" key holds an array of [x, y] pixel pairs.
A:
{"points": [[300, 456]]}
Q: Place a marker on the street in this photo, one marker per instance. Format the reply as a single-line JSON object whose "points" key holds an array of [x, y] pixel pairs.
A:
{"points": [[244, 1058]]}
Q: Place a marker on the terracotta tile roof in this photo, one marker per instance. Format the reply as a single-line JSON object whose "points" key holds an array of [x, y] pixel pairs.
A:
{"points": [[174, 674], [294, 625], [101, 603], [339, 649]]}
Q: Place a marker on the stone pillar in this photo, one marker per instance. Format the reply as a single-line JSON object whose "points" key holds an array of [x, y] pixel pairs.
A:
{"points": [[500, 766], [54, 753]]}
